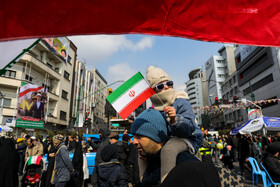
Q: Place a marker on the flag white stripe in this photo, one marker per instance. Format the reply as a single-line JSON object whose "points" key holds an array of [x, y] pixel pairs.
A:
{"points": [[125, 99], [34, 158]]}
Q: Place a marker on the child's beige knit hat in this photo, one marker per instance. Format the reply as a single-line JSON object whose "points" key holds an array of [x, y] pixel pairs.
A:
{"points": [[156, 75]]}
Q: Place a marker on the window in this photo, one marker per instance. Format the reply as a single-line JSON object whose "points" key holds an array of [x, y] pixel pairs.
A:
{"points": [[11, 74], [7, 103], [28, 78], [46, 86], [66, 75], [238, 59], [56, 69], [49, 65], [69, 59], [191, 84], [64, 94], [259, 84], [62, 115]]}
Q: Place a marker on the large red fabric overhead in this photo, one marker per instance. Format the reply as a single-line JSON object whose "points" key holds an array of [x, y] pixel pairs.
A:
{"points": [[253, 22]]}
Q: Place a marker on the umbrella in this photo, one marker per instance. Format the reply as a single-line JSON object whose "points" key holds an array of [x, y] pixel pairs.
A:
{"points": [[266, 123], [5, 128]]}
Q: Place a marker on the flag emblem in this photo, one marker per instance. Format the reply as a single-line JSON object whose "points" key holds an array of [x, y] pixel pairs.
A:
{"points": [[132, 93]]}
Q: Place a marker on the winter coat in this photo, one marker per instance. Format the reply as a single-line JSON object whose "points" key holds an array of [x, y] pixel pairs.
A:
{"points": [[8, 163], [63, 165], [151, 175], [272, 164], [122, 152], [36, 150], [185, 126], [105, 141], [243, 149], [111, 174], [132, 168]]}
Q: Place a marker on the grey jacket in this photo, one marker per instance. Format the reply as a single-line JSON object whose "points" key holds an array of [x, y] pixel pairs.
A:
{"points": [[63, 167]]}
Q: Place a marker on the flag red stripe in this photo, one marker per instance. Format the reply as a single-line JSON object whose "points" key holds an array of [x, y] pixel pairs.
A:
{"points": [[38, 160], [136, 102], [29, 90], [246, 22]]}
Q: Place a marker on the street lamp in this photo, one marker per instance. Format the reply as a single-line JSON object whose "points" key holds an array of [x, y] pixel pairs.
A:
{"points": [[79, 99]]}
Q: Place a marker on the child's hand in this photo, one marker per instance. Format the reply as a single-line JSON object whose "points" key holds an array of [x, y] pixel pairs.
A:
{"points": [[171, 113]]}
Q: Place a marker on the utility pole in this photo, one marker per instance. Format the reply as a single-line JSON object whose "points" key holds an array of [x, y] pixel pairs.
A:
{"points": [[80, 99], [251, 90]]}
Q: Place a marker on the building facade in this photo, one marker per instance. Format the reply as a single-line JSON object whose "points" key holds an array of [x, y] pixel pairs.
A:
{"points": [[218, 69], [100, 85], [40, 66], [258, 77], [83, 97], [196, 88]]}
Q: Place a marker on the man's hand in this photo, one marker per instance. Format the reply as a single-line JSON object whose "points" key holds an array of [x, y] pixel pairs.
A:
{"points": [[52, 155], [171, 113]]}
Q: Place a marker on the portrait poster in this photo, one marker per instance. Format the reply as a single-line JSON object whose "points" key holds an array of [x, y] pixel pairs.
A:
{"points": [[58, 46], [31, 107]]}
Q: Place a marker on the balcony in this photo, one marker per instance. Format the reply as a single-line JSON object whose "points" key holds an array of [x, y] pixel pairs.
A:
{"points": [[52, 119], [41, 67]]}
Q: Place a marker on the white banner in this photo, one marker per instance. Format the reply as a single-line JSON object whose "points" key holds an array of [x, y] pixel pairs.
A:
{"points": [[81, 120]]}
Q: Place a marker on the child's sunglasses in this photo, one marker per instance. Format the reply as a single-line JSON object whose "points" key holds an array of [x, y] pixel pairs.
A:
{"points": [[160, 86]]}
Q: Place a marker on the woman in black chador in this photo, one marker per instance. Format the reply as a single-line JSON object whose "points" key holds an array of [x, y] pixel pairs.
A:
{"points": [[9, 161], [48, 174], [77, 162]]}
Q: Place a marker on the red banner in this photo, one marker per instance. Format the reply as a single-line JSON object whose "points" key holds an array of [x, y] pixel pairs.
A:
{"points": [[252, 22]]}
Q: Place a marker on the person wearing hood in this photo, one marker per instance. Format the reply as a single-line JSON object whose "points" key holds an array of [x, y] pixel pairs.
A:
{"points": [[185, 135], [270, 161], [62, 165], [104, 140], [77, 162], [8, 163], [110, 172]]}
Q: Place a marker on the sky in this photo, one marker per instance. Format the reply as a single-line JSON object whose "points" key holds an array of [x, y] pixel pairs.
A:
{"points": [[118, 57]]}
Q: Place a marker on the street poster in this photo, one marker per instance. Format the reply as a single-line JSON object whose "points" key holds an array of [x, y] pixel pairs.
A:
{"points": [[31, 107], [58, 46], [254, 113]]}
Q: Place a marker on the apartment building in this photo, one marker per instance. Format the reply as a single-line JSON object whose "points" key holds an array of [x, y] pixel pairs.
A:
{"points": [[196, 88], [42, 67]]}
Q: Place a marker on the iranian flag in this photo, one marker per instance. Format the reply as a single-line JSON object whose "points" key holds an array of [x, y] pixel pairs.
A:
{"points": [[34, 160], [130, 95], [27, 88]]}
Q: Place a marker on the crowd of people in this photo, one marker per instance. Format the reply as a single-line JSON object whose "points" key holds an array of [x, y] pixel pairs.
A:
{"points": [[168, 149], [239, 148]]}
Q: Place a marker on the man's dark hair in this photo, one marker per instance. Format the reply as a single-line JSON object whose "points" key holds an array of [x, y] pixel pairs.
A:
{"points": [[27, 137]]}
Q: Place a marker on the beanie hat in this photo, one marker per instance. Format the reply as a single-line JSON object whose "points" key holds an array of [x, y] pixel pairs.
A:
{"points": [[156, 75], [58, 138], [273, 148], [150, 123], [114, 135], [109, 152]]}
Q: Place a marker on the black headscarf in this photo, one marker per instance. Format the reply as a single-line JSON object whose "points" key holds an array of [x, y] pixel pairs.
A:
{"points": [[109, 152], [77, 160], [8, 163], [105, 132]]}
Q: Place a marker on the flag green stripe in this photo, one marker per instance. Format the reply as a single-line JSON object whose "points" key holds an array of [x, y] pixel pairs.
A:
{"points": [[124, 87], [30, 160], [23, 83]]}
